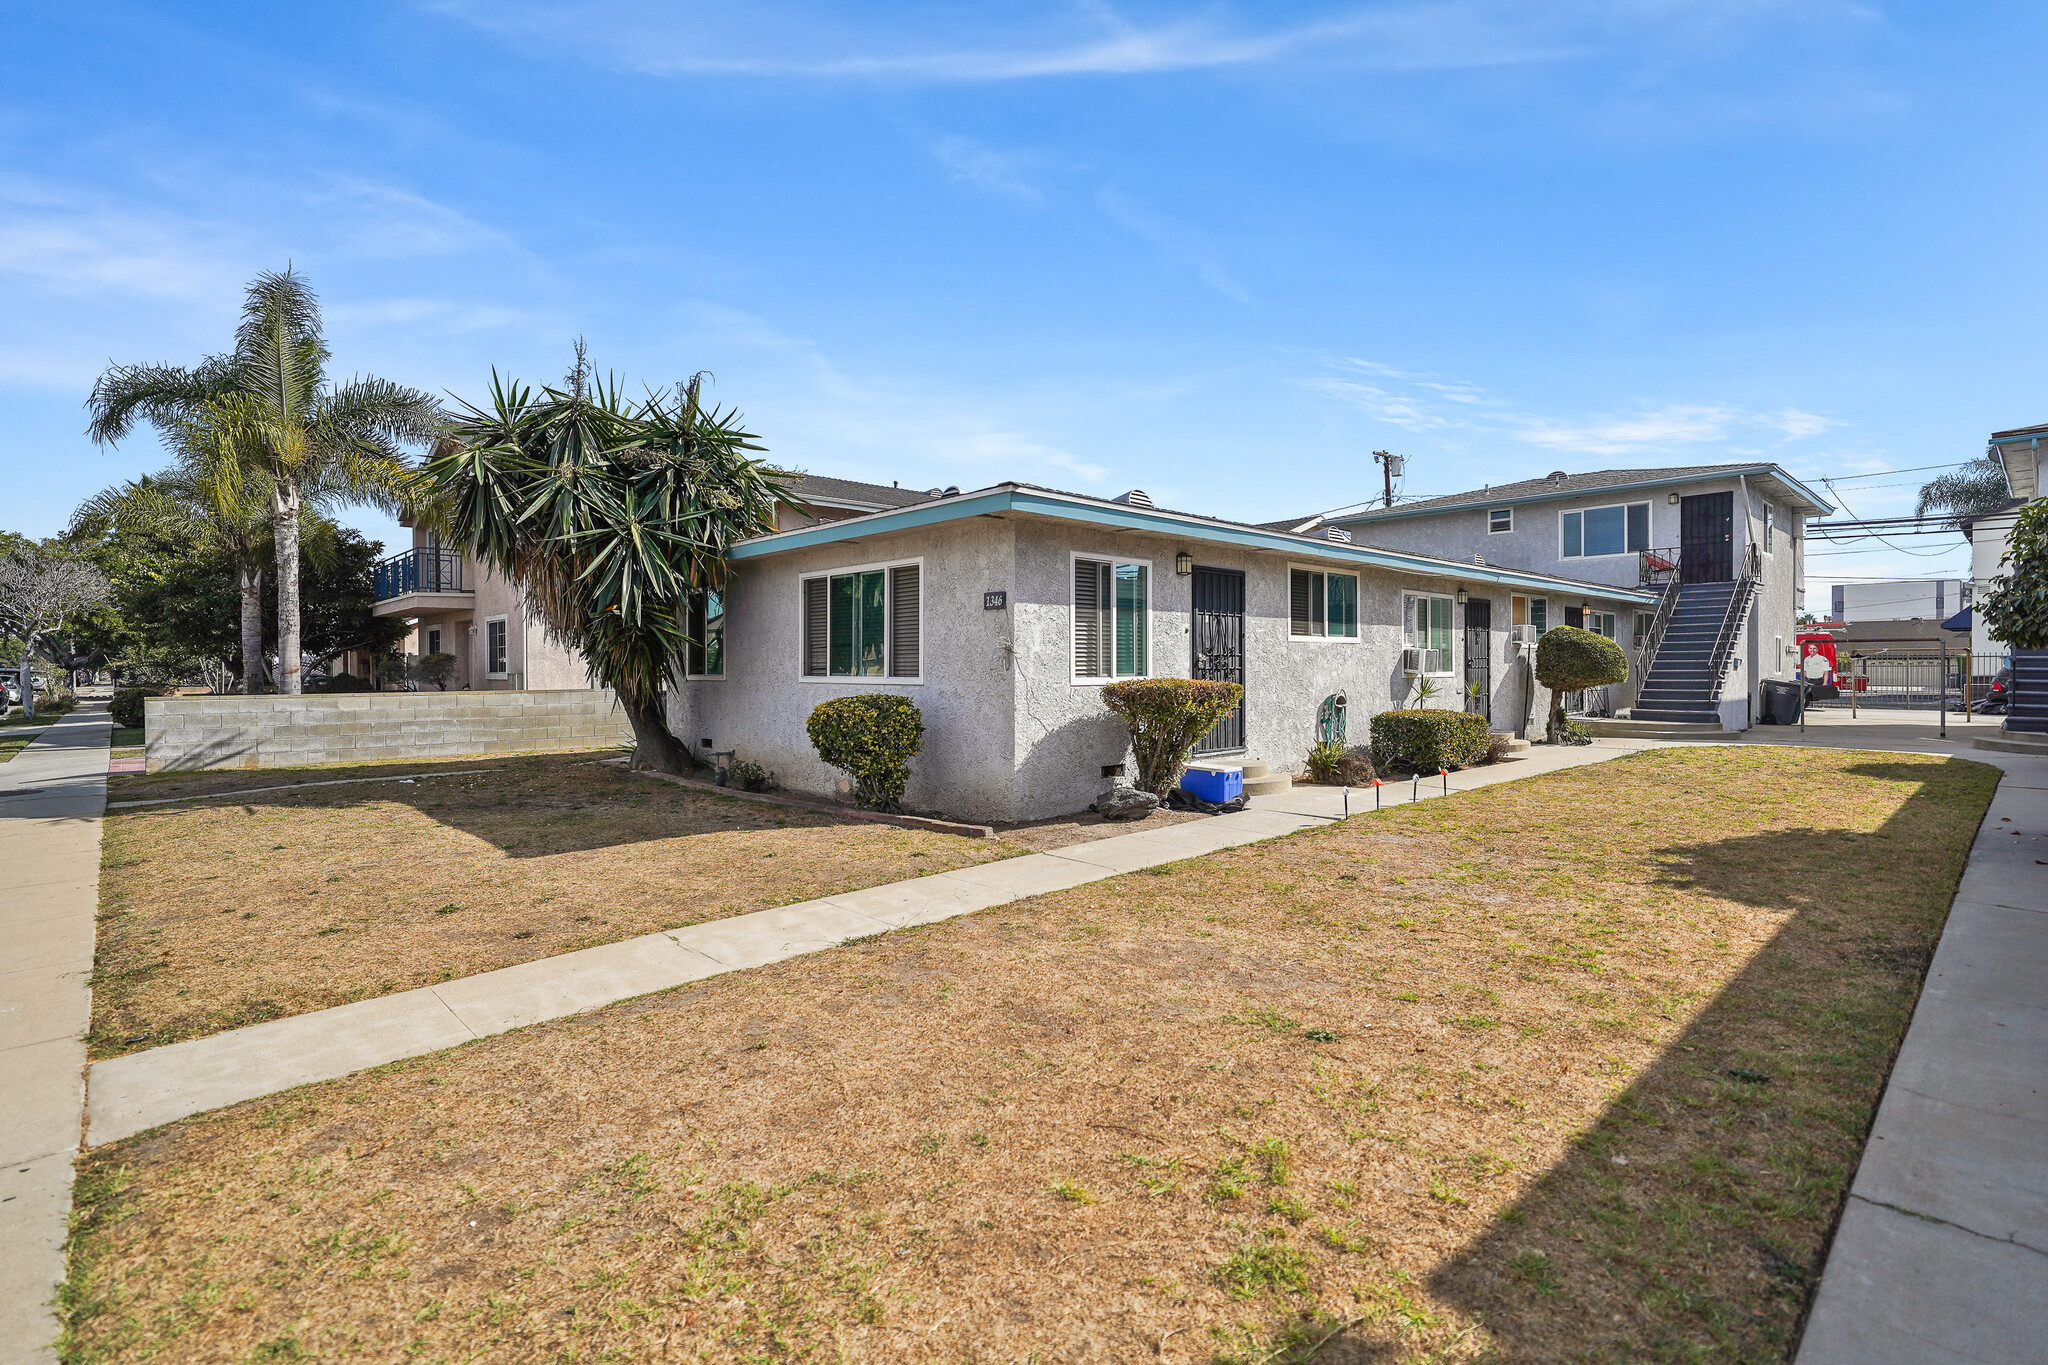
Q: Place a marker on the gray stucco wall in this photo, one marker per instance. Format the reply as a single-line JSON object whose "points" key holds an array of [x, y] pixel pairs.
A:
{"points": [[760, 706], [1010, 735], [184, 733]]}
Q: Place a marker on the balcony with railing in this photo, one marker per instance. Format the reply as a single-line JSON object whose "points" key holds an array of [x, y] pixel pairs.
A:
{"points": [[419, 571]]}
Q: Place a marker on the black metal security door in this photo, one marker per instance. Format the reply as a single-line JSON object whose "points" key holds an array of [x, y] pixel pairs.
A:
{"points": [[1219, 648], [1479, 658], [1706, 538]]}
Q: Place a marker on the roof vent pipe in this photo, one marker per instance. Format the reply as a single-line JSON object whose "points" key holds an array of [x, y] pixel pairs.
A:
{"points": [[1135, 498], [1556, 475]]}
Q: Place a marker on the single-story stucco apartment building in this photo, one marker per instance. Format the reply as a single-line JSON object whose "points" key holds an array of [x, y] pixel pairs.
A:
{"points": [[1002, 611]]}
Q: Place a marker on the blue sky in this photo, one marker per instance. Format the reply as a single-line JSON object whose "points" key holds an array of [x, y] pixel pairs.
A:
{"points": [[1218, 252]]}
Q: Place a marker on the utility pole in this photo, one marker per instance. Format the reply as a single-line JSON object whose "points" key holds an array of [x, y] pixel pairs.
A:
{"points": [[1390, 467]]}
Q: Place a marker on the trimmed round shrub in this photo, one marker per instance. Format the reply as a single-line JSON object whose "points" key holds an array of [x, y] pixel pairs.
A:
{"points": [[345, 682], [1568, 659], [1167, 717], [1428, 741], [871, 738]]}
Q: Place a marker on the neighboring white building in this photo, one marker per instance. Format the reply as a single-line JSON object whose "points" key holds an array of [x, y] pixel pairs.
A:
{"points": [[2023, 453], [1900, 599]]}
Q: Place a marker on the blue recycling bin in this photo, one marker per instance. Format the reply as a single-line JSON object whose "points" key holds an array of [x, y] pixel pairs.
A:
{"points": [[1214, 785]]}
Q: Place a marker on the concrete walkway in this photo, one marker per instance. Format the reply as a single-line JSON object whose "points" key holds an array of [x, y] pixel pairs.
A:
{"points": [[51, 797], [1942, 1251], [144, 1089]]}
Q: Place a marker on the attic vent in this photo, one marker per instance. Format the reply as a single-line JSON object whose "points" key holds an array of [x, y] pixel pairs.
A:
{"points": [[1135, 498], [1338, 533], [1556, 475], [1480, 560]]}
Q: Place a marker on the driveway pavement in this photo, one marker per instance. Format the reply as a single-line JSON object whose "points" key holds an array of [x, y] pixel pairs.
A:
{"points": [[51, 797]]}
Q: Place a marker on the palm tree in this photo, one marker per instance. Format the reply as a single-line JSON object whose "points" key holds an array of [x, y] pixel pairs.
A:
{"points": [[612, 514], [1976, 486], [269, 406]]}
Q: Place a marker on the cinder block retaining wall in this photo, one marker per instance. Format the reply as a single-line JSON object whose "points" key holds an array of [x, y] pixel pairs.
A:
{"points": [[185, 733]]}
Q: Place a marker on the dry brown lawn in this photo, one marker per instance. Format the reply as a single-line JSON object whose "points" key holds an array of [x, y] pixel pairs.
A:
{"points": [[1569, 1069], [220, 913]]}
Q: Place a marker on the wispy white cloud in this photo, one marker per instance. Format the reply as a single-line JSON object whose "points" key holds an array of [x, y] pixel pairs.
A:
{"points": [[1181, 243], [1087, 39], [1421, 402], [1003, 174]]}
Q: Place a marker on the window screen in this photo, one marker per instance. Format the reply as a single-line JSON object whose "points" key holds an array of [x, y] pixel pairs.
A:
{"points": [[1112, 619], [707, 636], [1322, 604], [1620, 529], [863, 624], [1500, 519]]}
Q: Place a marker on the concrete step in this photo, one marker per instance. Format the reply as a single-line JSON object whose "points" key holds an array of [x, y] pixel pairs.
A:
{"points": [[1644, 728], [1510, 743], [2014, 742], [1254, 770], [1273, 784]]}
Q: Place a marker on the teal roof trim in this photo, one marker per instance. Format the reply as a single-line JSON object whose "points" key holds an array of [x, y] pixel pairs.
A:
{"points": [[1584, 494], [1012, 498]]}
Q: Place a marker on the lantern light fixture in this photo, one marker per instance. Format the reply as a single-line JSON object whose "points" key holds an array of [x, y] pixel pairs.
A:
{"points": [[1461, 597], [1183, 563]]}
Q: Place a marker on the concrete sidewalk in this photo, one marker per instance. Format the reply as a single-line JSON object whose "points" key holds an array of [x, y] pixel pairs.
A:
{"points": [[1942, 1251], [51, 798], [137, 1092]]}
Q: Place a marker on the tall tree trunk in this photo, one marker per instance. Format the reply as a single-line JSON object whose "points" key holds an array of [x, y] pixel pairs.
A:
{"points": [[284, 506], [253, 671], [28, 674], [653, 746]]}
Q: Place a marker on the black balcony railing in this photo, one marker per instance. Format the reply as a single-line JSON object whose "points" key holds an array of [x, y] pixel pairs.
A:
{"points": [[419, 571]]}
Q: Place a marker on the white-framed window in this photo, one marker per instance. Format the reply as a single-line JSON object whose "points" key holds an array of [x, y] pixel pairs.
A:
{"points": [[1601, 623], [1595, 532], [1499, 519], [1539, 615], [1322, 604], [862, 622], [1644, 620], [497, 646], [433, 640], [1769, 518], [1112, 619], [704, 656], [1426, 626]]}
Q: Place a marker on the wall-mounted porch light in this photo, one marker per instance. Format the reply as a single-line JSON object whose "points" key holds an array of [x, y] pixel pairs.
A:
{"points": [[1183, 563], [1672, 499], [1461, 597]]}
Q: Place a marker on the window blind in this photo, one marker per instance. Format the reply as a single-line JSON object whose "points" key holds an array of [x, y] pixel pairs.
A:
{"points": [[904, 661], [1298, 603], [817, 617], [1092, 618]]}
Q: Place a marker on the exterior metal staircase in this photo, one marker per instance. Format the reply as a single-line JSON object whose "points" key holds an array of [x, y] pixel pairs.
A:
{"points": [[1691, 654]]}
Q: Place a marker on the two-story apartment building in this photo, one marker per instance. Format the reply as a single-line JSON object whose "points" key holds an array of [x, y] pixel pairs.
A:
{"points": [[1727, 540]]}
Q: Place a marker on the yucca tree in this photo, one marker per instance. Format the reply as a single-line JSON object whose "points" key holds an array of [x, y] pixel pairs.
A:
{"points": [[612, 514], [269, 406]]}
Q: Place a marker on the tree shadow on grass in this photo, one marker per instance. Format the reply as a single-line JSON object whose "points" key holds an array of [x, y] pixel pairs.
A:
{"points": [[1691, 1220], [528, 805]]}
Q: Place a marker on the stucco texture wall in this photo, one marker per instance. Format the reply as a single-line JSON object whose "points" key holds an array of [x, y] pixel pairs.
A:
{"points": [[759, 708], [186, 733]]}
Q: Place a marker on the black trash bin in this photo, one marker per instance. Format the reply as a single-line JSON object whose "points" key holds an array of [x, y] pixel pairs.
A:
{"points": [[1780, 702]]}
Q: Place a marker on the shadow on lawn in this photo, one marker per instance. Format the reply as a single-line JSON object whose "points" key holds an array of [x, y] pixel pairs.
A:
{"points": [[527, 805], [1691, 1220]]}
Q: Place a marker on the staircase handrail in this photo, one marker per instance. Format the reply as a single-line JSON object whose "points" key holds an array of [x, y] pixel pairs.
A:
{"points": [[1667, 603], [1738, 605]]}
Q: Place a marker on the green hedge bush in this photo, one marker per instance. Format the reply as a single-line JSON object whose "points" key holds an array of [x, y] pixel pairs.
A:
{"points": [[127, 704], [1167, 717], [871, 738], [1427, 741]]}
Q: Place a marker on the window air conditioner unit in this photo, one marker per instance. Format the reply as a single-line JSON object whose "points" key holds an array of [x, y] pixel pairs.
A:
{"points": [[1411, 661], [1522, 637]]}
